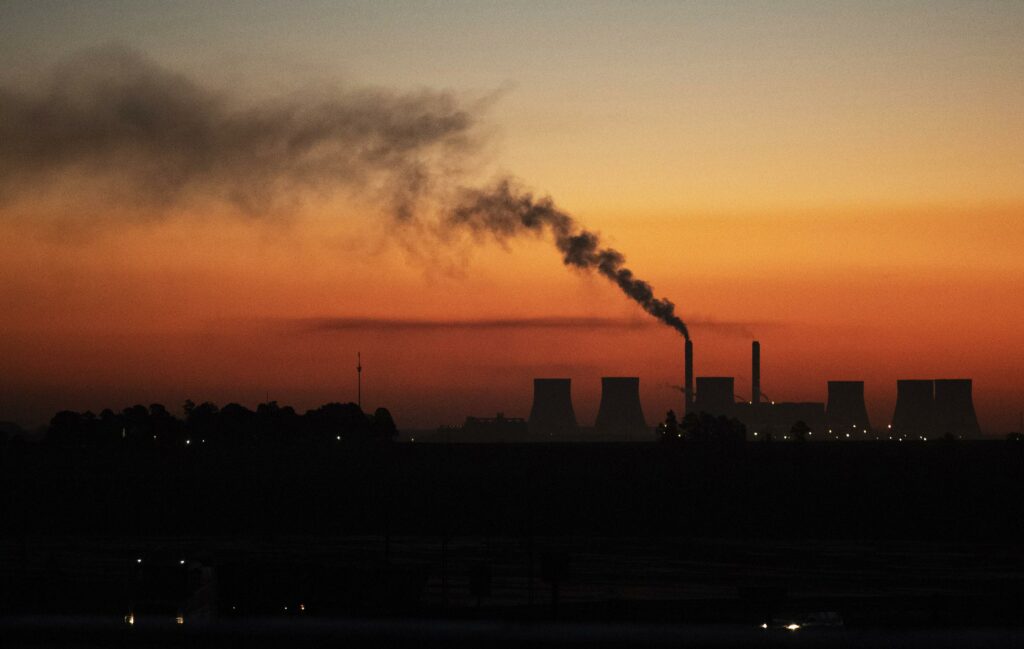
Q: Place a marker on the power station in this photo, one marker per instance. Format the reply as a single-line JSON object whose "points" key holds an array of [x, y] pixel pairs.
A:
{"points": [[925, 409], [620, 410]]}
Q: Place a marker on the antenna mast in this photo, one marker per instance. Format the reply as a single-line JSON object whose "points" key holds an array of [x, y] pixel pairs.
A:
{"points": [[359, 379]]}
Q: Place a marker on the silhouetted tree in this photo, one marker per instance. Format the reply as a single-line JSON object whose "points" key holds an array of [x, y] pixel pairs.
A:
{"points": [[668, 430], [799, 431], [382, 427], [704, 427]]}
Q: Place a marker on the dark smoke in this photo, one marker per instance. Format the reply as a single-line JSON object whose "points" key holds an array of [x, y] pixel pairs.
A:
{"points": [[133, 134], [505, 212], [141, 134]]}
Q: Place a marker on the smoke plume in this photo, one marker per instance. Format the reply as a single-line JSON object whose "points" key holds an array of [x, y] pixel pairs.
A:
{"points": [[505, 212], [140, 140], [132, 132]]}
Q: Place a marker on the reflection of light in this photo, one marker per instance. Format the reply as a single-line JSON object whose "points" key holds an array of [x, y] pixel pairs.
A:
{"points": [[180, 619], [792, 627]]}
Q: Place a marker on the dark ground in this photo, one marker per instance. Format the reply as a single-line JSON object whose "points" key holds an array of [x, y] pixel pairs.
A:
{"points": [[907, 540]]}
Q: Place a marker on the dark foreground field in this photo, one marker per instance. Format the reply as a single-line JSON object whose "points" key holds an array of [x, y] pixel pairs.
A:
{"points": [[537, 545]]}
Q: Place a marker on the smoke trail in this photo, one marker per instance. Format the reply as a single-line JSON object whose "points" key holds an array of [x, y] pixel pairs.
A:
{"points": [[124, 131], [505, 212]]}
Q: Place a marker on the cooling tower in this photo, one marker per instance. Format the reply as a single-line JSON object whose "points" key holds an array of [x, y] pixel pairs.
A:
{"points": [[915, 407], [714, 395], [846, 410], [954, 408], [620, 412], [552, 414], [688, 379]]}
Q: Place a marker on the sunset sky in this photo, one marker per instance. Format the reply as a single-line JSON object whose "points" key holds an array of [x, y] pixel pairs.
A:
{"points": [[842, 181]]}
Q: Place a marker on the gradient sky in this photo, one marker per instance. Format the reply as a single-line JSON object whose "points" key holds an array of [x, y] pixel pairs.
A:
{"points": [[844, 181]]}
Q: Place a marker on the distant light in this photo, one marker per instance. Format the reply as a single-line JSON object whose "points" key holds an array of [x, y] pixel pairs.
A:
{"points": [[338, 438], [302, 607], [180, 619], [764, 626], [286, 608], [139, 560], [847, 434], [773, 403], [182, 562], [755, 433], [129, 619], [889, 426], [412, 439], [188, 442], [792, 627]]}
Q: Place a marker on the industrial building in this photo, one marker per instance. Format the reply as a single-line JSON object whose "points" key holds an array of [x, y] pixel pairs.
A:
{"points": [[620, 413]]}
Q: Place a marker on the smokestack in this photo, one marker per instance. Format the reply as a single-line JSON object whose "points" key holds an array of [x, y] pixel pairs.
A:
{"points": [[915, 407], [620, 411], [954, 408], [688, 381], [715, 395], [755, 374], [846, 410], [552, 413]]}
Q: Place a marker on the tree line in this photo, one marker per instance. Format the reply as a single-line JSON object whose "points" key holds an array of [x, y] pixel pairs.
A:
{"points": [[206, 424]]}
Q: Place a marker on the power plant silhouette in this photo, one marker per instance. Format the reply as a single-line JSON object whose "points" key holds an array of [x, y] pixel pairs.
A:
{"points": [[620, 410], [924, 408], [552, 414]]}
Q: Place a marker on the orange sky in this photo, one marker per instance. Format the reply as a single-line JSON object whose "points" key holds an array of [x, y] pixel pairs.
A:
{"points": [[846, 185]]}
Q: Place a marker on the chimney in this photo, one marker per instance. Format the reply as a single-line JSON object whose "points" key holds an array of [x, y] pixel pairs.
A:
{"points": [[552, 413], [846, 411], [620, 412], [915, 406], [688, 382], [715, 395], [954, 408], [755, 375]]}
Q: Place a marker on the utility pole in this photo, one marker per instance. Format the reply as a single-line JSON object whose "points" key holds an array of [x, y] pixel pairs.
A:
{"points": [[359, 380]]}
